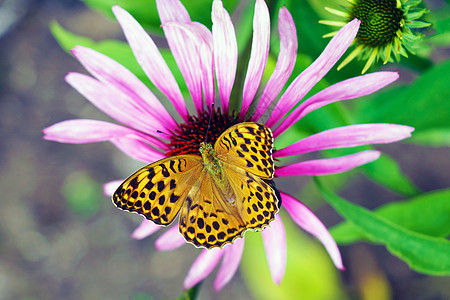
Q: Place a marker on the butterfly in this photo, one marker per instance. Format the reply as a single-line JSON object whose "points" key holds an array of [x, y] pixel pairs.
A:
{"points": [[219, 194]]}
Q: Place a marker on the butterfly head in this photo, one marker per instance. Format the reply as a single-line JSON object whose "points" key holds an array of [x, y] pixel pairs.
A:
{"points": [[206, 150]]}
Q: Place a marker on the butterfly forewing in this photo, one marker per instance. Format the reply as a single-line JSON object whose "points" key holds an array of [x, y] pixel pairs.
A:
{"points": [[248, 146], [157, 191]]}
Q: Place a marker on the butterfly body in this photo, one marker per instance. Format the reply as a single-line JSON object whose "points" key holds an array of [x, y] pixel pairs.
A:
{"points": [[211, 162], [219, 194]]}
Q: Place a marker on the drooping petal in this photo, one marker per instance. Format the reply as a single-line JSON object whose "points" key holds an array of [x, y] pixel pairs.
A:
{"points": [[170, 240], [182, 47], [274, 238], [328, 166], [308, 221], [137, 149], [112, 73], [344, 90], [114, 103], [85, 131], [309, 77], [225, 52], [110, 187], [145, 229], [202, 266], [230, 263], [258, 55], [348, 136], [285, 62], [150, 59]]}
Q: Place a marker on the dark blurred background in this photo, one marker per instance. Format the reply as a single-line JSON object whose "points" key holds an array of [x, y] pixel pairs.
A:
{"points": [[60, 238]]}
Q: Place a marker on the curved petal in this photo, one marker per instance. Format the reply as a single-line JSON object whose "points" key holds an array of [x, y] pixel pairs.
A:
{"points": [[112, 73], [230, 263], [327, 166], [225, 52], [114, 103], [170, 240], [348, 136], [182, 47], [309, 77], [145, 229], [344, 90], [82, 131], [110, 187], [202, 266], [285, 62], [258, 55], [137, 149], [274, 238], [150, 59], [309, 222], [201, 37]]}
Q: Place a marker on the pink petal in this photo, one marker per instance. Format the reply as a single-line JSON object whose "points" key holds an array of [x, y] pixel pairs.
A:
{"points": [[112, 73], [225, 52], [327, 166], [348, 136], [145, 229], [285, 62], [258, 55], [230, 263], [150, 59], [308, 221], [110, 187], [182, 47], [202, 266], [85, 131], [201, 37], [344, 90], [137, 149], [309, 77], [170, 240], [114, 103], [274, 238], [82, 131]]}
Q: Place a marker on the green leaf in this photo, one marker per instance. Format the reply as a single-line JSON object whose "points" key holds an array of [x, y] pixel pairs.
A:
{"points": [[308, 268], [423, 105], [425, 254], [386, 172], [427, 214], [439, 137], [119, 51], [146, 14]]}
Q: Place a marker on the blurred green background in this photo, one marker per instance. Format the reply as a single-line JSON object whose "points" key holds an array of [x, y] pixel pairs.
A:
{"points": [[60, 238]]}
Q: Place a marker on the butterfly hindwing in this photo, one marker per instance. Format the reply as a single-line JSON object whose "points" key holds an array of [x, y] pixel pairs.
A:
{"points": [[157, 191], [249, 146], [208, 219], [257, 201]]}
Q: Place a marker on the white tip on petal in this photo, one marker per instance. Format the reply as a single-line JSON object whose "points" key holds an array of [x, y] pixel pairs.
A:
{"points": [[110, 187], [309, 222], [274, 238], [230, 263], [145, 229], [170, 240], [202, 266]]}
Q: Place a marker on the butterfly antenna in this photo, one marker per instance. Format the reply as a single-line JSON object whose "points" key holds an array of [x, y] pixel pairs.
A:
{"points": [[209, 122], [177, 137]]}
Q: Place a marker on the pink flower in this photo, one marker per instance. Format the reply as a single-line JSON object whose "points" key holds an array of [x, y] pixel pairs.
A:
{"points": [[205, 57]]}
